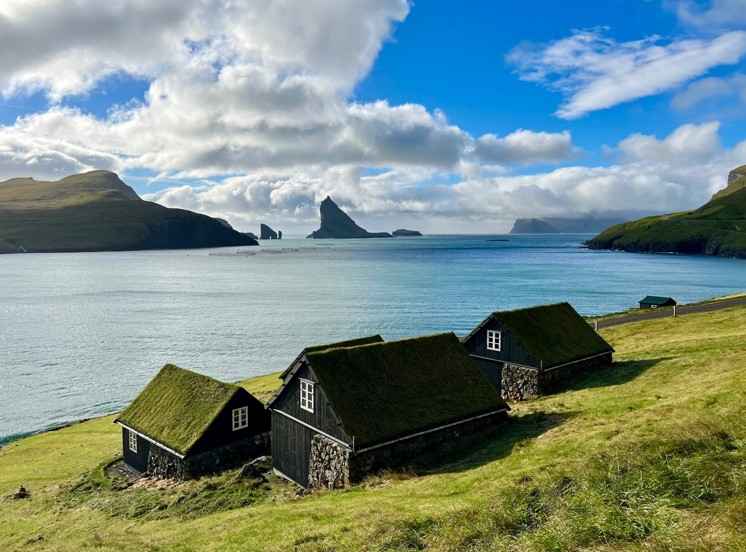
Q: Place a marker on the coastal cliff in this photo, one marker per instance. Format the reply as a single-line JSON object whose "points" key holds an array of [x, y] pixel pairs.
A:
{"points": [[335, 223], [716, 228], [96, 211]]}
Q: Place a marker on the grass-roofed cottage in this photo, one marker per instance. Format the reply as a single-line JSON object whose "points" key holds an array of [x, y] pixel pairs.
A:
{"points": [[528, 352], [345, 411], [184, 424]]}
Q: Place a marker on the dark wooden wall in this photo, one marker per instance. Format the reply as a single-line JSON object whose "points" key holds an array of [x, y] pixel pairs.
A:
{"points": [[291, 448], [138, 460], [512, 350], [323, 417], [221, 431], [492, 370], [291, 441]]}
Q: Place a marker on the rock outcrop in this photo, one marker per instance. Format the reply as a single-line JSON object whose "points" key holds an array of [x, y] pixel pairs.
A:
{"points": [[335, 223], [96, 211], [266, 233], [403, 232]]}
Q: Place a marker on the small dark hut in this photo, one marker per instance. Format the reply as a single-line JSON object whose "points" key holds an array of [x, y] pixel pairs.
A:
{"points": [[185, 424], [654, 302], [528, 352], [346, 411]]}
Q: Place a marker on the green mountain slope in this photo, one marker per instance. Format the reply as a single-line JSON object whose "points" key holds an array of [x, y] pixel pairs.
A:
{"points": [[96, 211], [716, 228], [649, 455]]}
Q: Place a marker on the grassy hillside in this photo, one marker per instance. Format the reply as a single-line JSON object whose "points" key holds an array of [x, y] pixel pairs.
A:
{"points": [[649, 455], [96, 211], [716, 228]]}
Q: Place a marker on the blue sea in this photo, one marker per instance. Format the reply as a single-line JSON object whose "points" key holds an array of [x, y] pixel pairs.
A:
{"points": [[81, 334]]}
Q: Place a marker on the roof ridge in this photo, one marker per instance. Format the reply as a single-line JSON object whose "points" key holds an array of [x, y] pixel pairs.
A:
{"points": [[534, 307], [380, 343]]}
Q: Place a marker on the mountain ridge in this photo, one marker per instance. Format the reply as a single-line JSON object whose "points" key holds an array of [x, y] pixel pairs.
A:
{"points": [[97, 211], [716, 228]]}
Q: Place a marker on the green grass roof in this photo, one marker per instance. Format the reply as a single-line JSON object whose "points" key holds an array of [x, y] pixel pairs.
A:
{"points": [[348, 343], [387, 390], [656, 300], [177, 407], [554, 334]]}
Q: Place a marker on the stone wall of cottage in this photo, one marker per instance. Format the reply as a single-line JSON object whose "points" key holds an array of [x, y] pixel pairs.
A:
{"points": [[164, 465], [329, 464], [519, 383]]}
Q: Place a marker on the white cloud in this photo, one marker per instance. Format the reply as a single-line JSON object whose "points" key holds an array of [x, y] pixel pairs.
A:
{"points": [[676, 172], [718, 14], [711, 89], [597, 72], [524, 147]]}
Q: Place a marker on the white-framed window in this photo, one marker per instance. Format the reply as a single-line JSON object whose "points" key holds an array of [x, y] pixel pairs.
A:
{"points": [[306, 395], [132, 440], [240, 418], [494, 340]]}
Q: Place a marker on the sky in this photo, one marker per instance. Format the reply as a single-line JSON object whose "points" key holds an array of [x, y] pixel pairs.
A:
{"points": [[438, 116]]}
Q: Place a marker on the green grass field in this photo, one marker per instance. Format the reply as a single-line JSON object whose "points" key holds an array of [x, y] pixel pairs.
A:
{"points": [[649, 455]]}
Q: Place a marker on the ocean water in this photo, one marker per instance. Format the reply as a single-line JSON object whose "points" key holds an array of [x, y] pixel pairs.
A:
{"points": [[81, 334]]}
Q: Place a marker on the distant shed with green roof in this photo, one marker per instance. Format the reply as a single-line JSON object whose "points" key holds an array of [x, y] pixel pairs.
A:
{"points": [[528, 352], [656, 301], [184, 424], [348, 410]]}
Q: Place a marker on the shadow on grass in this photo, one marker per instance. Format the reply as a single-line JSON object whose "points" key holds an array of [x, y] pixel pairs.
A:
{"points": [[618, 373], [499, 443]]}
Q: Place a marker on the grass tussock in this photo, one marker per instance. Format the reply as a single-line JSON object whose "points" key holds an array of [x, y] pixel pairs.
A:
{"points": [[154, 500]]}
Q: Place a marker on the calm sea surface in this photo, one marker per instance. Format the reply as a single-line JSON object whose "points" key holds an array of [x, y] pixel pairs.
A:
{"points": [[81, 334]]}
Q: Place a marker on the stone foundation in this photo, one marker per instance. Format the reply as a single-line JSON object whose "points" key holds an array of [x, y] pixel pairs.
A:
{"points": [[328, 465], [519, 383], [164, 465]]}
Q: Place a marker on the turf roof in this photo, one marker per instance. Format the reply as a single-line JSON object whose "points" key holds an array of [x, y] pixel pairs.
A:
{"points": [[554, 334], [177, 407], [656, 300], [348, 343], [383, 391]]}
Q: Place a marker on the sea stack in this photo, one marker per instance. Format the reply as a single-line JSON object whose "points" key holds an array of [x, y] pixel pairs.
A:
{"points": [[337, 224], [266, 233]]}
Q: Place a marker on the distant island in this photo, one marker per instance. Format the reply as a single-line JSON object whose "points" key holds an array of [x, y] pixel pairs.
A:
{"points": [[403, 232], [96, 211], [337, 224], [553, 225], [716, 228]]}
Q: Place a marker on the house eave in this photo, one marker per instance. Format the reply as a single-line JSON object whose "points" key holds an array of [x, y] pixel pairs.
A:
{"points": [[150, 439]]}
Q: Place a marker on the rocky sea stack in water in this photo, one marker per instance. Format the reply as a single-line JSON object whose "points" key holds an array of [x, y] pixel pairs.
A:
{"points": [[335, 223], [716, 228], [96, 211]]}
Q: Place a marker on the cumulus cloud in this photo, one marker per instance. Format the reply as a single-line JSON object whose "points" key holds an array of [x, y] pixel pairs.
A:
{"points": [[235, 87], [524, 147], [674, 172], [597, 72]]}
